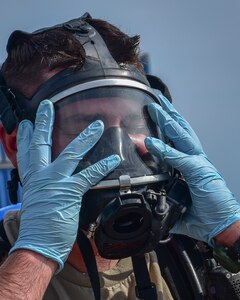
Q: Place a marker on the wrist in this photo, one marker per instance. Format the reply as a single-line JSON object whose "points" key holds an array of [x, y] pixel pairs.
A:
{"points": [[44, 253], [35, 258], [26, 275], [229, 236]]}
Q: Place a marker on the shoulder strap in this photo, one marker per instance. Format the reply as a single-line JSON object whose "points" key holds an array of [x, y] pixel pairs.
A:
{"points": [[12, 186], [90, 262], [5, 246], [145, 289]]}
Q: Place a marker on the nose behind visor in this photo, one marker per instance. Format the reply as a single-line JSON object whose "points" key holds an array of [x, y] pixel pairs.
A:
{"points": [[116, 141]]}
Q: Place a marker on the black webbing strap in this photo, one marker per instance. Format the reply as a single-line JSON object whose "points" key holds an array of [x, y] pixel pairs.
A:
{"points": [[145, 289], [90, 262], [12, 186], [5, 246]]}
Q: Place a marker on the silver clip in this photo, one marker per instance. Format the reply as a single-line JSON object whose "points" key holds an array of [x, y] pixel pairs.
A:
{"points": [[125, 184], [91, 230]]}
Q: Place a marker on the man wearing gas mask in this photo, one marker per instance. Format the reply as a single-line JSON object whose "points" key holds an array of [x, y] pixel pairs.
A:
{"points": [[122, 173]]}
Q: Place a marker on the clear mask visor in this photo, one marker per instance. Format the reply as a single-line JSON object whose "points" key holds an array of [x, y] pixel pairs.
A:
{"points": [[123, 110]]}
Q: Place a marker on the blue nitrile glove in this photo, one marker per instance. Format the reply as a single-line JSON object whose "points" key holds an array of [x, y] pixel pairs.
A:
{"points": [[213, 206], [51, 194]]}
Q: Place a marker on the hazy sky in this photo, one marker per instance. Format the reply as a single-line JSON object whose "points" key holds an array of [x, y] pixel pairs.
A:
{"points": [[194, 46]]}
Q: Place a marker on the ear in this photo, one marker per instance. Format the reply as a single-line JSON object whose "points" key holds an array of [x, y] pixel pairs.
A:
{"points": [[9, 144]]}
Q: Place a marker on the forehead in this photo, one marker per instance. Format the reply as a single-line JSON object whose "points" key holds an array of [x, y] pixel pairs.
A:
{"points": [[102, 106]]}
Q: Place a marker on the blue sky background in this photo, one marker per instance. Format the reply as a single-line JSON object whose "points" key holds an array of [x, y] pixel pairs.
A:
{"points": [[194, 46]]}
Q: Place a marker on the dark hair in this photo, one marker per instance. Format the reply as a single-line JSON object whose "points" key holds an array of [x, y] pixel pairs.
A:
{"points": [[31, 56]]}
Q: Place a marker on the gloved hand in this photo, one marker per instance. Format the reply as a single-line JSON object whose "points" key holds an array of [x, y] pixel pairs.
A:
{"points": [[214, 207], [51, 194]]}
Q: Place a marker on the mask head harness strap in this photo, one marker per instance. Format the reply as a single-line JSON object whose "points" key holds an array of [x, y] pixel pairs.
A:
{"points": [[99, 64]]}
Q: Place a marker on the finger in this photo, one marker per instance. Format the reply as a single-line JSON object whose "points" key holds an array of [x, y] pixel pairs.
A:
{"points": [[93, 174], [40, 148], [173, 157], [169, 108], [24, 137], [172, 130], [68, 160]]}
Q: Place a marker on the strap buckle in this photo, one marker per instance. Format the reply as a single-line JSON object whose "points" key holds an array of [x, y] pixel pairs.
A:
{"points": [[147, 293]]}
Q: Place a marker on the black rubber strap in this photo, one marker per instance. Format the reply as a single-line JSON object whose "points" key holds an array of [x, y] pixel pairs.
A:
{"points": [[145, 289], [90, 262], [5, 246]]}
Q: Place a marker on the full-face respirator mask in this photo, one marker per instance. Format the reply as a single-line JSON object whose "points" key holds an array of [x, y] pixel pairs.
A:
{"points": [[133, 209], [135, 206]]}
